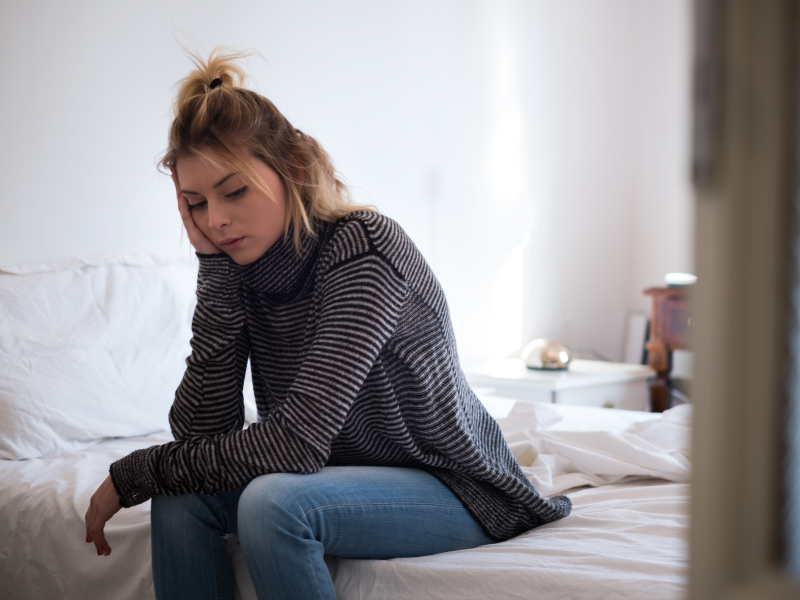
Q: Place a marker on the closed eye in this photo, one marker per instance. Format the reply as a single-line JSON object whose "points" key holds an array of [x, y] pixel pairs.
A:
{"points": [[236, 194], [197, 205]]}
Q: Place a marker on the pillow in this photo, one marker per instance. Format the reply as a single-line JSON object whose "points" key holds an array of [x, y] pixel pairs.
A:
{"points": [[90, 349]]}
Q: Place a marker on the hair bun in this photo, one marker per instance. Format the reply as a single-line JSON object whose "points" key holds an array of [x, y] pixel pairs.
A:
{"points": [[221, 69]]}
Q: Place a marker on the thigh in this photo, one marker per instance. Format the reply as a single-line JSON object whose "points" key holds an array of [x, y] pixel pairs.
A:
{"points": [[373, 512]]}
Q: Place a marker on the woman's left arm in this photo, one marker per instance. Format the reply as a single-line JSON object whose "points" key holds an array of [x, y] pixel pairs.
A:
{"points": [[360, 301]]}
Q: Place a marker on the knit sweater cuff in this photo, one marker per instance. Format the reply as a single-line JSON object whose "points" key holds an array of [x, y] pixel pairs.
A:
{"points": [[132, 480], [219, 278]]}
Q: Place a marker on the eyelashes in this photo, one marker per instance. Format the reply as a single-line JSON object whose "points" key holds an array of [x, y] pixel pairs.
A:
{"points": [[237, 193], [198, 205], [234, 195]]}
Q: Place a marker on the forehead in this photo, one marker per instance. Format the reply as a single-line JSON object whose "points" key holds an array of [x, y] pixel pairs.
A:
{"points": [[199, 171]]}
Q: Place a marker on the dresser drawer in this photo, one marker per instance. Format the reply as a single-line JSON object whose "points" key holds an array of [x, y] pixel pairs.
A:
{"points": [[629, 396], [587, 383]]}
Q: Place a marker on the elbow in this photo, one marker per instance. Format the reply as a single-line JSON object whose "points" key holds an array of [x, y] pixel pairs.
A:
{"points": [[179, 432], [315, 466], [315, 461]]}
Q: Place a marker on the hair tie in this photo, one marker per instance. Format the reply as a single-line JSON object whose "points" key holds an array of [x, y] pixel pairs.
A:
{"points": [[215, 84]]}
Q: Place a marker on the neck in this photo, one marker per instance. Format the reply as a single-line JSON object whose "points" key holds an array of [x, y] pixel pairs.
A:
{"points": [[282, 269]]}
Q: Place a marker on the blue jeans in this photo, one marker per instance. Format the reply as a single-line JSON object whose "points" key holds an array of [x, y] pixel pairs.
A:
{"points": [[287, 522]]}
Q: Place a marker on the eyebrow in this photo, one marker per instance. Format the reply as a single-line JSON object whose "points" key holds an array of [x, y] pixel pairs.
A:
{"points": [[215, 186]]}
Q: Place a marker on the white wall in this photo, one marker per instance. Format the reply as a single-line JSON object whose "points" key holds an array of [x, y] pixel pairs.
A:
{"points": [[536, 151], [619, 208]]}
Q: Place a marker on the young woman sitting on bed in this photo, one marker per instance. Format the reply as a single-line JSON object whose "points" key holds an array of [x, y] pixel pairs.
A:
{"points": [[370, 444]]}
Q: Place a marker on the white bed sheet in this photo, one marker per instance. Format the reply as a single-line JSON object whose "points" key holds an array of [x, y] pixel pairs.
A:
{"points": [[621, 541], [618, 535]]}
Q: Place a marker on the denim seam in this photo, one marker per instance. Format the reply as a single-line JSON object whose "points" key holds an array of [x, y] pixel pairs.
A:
{"points": [[219, 513], [218, 578], [393, 504], [224, 507], [320, 586], [310, 558]]}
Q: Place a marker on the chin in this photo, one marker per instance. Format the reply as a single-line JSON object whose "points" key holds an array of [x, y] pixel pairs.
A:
{"points": [[243, 258], [240, 260]]}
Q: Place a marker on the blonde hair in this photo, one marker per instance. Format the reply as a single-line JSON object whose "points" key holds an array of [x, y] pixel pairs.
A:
{"points": [[231, 122]]}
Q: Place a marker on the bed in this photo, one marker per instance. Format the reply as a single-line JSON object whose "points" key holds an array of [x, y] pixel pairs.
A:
{"points": [[626, 472]]}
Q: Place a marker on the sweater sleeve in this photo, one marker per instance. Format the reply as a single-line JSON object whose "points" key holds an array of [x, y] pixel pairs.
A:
{"points": [[358, 302], [209, 399]]}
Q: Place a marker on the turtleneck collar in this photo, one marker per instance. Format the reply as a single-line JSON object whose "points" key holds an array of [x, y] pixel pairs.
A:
{"points": [[281, 270]]}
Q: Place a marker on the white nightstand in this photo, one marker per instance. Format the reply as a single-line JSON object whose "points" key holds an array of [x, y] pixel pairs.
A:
{"points": [[586, 382]]}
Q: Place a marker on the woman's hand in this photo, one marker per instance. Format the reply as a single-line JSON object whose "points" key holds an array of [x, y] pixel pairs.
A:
{"points": [[199, 241], [103, 505]]}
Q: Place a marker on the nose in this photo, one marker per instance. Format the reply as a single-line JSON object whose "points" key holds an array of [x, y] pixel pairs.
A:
{"points": [[218, 216]]}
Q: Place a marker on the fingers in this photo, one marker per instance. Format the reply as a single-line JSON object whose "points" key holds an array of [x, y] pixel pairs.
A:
{"points": [[196, 236], [94, 533], [100, 543], [186, 214], [183, 203], [183, 208], [188, 221]]}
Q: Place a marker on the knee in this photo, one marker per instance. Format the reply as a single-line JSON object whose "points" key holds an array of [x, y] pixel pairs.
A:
{"points": [[170, 515], [270, 499]]}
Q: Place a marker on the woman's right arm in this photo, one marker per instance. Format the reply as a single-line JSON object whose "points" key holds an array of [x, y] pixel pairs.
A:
{"points": [[209, 399]]}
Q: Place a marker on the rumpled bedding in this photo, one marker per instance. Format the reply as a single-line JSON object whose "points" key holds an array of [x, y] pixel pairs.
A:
{"points": [[556, 461]]}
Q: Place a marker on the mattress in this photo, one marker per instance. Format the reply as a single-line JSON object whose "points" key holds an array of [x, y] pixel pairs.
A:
{"points": [[625, 538]]}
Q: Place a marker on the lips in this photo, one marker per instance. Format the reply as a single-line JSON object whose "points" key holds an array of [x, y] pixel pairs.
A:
{"points": [[231, 243]]}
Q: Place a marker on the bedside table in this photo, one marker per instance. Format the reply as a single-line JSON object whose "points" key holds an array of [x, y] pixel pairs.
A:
{"points": [[586, 382]]}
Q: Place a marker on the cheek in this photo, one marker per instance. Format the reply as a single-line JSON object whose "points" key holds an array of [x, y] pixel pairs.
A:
{"points": [[270, 214]]}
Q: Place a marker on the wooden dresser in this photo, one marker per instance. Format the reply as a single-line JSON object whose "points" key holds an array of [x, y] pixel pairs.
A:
{"points": [[670, 324]]}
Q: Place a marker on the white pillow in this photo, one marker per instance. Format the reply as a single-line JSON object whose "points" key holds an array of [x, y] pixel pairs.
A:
{"points": [[90, 349]]}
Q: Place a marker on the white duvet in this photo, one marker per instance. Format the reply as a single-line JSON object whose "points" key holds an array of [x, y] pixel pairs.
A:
{"points": [[556, 460], [622, 540]]}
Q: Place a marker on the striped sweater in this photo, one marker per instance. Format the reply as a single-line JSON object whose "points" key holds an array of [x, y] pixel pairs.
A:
{"points": [[354, 363]]}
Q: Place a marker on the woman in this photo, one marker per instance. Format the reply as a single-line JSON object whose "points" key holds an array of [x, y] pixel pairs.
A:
{"points": [[370, 443]]}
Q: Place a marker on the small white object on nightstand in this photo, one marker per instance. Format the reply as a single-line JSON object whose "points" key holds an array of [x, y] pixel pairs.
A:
{"points": [[586, 382]]}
